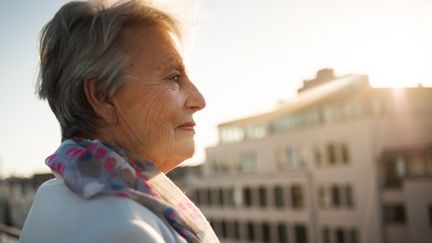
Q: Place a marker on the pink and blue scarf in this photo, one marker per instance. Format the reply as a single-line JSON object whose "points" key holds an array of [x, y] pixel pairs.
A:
{"points": [[90, 168]]}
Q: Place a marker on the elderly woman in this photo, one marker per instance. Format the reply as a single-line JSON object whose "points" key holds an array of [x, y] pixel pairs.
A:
{"points": [[114, 78]]}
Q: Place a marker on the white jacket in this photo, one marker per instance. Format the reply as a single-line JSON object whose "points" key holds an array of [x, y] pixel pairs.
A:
{"points": [[58, 215]]}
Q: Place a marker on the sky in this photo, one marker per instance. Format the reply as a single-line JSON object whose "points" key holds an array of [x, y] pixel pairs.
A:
{"points": [[247, 55]]}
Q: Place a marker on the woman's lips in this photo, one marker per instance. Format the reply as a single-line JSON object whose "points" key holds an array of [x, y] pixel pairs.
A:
{"points": [[187, 126]]}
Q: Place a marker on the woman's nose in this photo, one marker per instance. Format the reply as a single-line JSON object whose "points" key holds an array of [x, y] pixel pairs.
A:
{"points": [[195, 100]]}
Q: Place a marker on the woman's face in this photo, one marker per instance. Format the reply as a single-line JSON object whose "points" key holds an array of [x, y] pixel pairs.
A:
{"points": [[155, 105]]}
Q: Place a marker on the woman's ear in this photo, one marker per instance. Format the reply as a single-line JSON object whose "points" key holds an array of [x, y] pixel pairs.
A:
{"points": [[102, 106]]}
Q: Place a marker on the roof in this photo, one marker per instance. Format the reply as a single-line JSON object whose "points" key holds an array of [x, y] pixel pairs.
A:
{"points": [[344, 85]]}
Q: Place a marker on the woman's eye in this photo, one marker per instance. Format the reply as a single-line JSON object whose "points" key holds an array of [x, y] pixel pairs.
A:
{"points": [[175, 77]]}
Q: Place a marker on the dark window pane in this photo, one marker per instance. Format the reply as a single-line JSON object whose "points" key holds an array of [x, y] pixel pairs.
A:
{"points": [[250, 231], [216, 227], [214, 197], [339, 236], [209, 197], [279, 197], [265, 227], [262, 196], [399, 213], [221, 197], [300, 234], [224, 229], [345, 154], [354, 236], [336, 200], [391, 177], [326, 235], [394, 214], [297, 196], [282, 233], [204, 197], [236, 230], [231, 197], [247, 196], [197, 197], [331, 154], [349, 196]]}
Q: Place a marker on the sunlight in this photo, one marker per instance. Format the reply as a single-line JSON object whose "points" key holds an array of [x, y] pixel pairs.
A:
{"points": [[398, 53], [393, 66]]}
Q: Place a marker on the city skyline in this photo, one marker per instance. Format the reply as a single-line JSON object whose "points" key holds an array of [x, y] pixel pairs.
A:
{"points": [[247, 56]]}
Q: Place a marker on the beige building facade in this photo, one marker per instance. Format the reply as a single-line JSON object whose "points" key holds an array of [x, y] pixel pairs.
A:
{"points": [[343, 163]]}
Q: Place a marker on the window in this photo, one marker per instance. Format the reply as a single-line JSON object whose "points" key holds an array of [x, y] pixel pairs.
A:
{"points": [[279, 197], [223, 229], [214, 197], [282, 233], [297, 196], [249, 162], [331, 113], [401, 169], [262, 196], [209, 197], [391, 177], [247, 196], [394, 214], [265, 228], [216, 227], [221, 197], [196, 197], [294, 158], [231, 134], [345, 153], [324, 199], [331, 154], [318, 156], [204, 196], [326, 235], [353, 236], [236, 230], [339, 235], [238, 197], [290, 158], [256, 131], [230, 197], [300, 234], [250, 231], [336, 200], [349, 200]]}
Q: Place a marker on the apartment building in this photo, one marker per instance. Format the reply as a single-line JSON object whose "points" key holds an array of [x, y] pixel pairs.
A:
{"points": [[16, 198], [343, 163]]}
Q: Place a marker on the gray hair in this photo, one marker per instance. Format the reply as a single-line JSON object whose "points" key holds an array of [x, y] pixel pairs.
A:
{"points": [[84, 41]]}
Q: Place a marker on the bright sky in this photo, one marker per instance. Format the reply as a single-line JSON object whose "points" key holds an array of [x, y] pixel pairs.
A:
{"points": [[248, 55]]}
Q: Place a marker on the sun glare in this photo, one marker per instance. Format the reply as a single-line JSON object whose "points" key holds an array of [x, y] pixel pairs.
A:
{"points": [[391, 44]]}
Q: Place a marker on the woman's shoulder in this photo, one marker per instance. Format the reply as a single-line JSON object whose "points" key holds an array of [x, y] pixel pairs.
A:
{"points": [[101, 219]]}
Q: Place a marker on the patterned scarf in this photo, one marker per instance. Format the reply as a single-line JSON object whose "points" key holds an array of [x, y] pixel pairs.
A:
{"points": [[90, 168]]}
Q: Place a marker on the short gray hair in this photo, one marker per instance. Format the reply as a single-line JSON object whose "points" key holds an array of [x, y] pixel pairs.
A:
{"points": [[83, 41]]}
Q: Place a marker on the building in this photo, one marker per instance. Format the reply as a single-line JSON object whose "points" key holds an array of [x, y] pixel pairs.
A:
{"points": [[16, 198], [343, 163]]}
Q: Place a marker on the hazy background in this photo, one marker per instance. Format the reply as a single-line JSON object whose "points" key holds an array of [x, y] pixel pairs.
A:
{"points": [[248, 55]]}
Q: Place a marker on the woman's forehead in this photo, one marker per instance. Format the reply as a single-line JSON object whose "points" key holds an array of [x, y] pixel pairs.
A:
{"points": [[153, 46]]}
